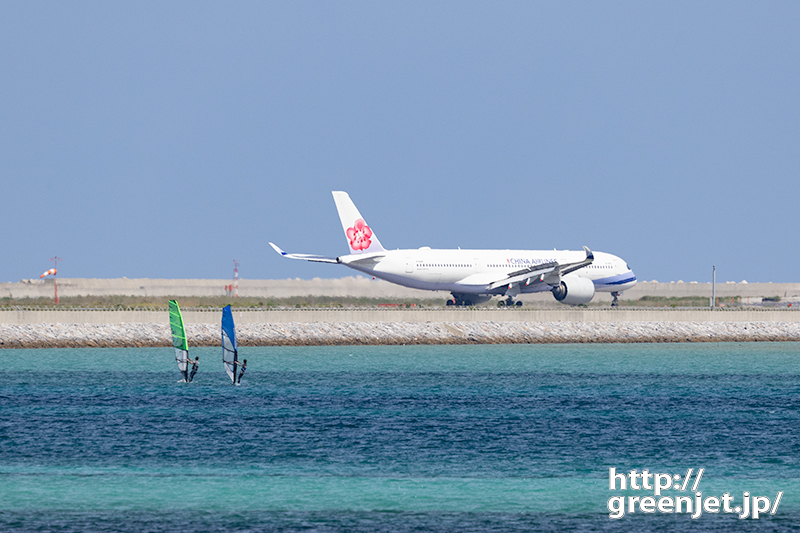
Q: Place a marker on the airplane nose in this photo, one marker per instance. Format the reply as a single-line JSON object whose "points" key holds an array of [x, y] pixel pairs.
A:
{"points": [[631, 274], [632, 281]]}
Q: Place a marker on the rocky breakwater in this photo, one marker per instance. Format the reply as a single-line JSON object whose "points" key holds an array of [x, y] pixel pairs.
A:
{"points": [[395, 333]]}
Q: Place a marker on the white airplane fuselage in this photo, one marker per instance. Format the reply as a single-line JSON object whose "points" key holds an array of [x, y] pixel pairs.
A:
{"points": [[473, 271]]}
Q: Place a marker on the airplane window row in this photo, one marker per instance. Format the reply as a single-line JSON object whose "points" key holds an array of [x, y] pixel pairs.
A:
{"points": [[442, 265], [490, 265]]}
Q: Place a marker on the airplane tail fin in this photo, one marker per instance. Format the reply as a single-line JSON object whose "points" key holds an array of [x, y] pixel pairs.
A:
{"points": [[360, 237]]}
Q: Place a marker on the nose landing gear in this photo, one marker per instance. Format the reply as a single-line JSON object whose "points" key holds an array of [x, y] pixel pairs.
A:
{"points": [[615, 301]]}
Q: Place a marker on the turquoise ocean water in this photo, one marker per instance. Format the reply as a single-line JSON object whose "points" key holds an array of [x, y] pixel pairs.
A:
{"points": [[403, 438]]}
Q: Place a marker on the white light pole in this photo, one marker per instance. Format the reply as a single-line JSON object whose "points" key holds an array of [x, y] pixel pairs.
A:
{"points": [[713, 286]]}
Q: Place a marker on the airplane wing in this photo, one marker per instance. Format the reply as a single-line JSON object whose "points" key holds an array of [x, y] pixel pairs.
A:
{"points": [[528, 276], [549, 273], [305, 257]]}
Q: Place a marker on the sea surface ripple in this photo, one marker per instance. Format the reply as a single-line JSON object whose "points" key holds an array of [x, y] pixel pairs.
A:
{"points": [[392, 438]]}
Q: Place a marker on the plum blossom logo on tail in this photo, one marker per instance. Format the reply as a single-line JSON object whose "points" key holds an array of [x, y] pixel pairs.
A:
{"points": [[359, 235]]}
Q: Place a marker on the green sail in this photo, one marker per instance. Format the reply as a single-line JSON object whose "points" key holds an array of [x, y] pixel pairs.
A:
{"points": [[176, 324], [178, 336]]}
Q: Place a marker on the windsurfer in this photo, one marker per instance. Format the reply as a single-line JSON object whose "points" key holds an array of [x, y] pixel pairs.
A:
{"points": [[194, 368], [241, 373]]}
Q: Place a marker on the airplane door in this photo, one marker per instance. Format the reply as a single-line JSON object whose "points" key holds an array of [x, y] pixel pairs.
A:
{"points": [[476, 265], [409, 265]]}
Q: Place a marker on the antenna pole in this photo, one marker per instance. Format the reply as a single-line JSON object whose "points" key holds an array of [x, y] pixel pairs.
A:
{"points": [[235, 278], [55, 259]]}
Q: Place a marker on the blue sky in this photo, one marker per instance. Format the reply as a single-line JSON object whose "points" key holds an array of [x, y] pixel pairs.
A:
{"points": [[165, 139]]}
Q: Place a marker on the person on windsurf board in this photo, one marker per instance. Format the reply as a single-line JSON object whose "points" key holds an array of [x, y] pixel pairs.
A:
{"points": [[194, 367], [241, 373]]}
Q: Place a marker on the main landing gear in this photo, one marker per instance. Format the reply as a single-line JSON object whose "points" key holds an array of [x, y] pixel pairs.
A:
{"points": [[465, 299], [509, 302]]}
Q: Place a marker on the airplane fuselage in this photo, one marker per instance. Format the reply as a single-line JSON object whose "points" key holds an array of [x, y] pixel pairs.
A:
{"points": [[473, 271]]}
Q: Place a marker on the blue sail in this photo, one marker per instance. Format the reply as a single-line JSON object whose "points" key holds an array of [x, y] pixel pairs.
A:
{"points": [[230, 350]]}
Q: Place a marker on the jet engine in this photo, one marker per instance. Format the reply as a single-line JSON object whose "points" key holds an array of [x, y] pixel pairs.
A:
{"points": [[574, 290]]}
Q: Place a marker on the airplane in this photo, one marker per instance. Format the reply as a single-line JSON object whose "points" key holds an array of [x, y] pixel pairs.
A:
{"points": [[475, 276]]}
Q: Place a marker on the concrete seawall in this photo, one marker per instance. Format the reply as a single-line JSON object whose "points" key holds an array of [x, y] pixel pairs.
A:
{"points": [[104, 328], [396, 333]]}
